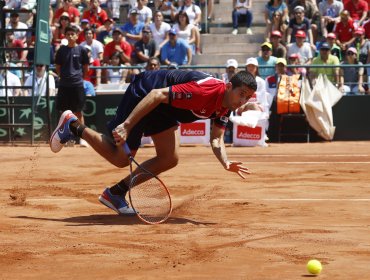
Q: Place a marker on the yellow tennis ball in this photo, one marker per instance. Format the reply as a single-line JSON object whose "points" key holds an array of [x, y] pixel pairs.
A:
{"points": [[314, 267]]}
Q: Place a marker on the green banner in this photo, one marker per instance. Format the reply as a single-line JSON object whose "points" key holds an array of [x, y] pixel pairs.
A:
{"points": [[43, 35]]}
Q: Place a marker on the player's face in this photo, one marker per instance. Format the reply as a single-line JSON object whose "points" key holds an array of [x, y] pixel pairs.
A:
{"points": [[234, 98]]}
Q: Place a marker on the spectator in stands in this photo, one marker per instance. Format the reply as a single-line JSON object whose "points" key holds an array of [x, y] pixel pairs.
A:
{"points": [[272, 81], [301, 47], [277, 24], [195, 17], [278, 49], [362, 46], [97, 48], [293, 59], [271, 8], [59, 31], [145, 48], [344, 30], [89, 89], [119, 45], [335, 49], [231, 70], [17, 56], [105, 35], [159, 29], [267, 60], [10, 80], [72, 12], [242, 12], [153, 64], [301, 23], [14, 23], [357, 10], [185, 30], [330, 14], [85, 24], [95, 14], [168, 10], [94, 75], [176, 50], [117, 75], [351, 78], [132, 28], [326, 58], [251, 65], [145, 13], [40, 82]]}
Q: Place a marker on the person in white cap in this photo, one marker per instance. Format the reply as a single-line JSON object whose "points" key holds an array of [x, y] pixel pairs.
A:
{"points": [[231, 70]]}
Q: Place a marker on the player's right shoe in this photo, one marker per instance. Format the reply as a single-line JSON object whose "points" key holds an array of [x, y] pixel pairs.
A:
{"points": [[116, 202], [62, 134]]}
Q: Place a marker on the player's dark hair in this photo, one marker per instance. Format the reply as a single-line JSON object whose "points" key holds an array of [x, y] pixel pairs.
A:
{"points": [[71, 28], [244, 78]]}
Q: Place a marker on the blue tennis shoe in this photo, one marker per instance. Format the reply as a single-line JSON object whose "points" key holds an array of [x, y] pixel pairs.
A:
{"points": [[116, 202], [62, 134]]}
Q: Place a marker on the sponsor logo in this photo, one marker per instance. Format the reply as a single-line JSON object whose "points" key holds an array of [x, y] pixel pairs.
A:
{"points": [[193, 129], [248, 133], [110, 111]]}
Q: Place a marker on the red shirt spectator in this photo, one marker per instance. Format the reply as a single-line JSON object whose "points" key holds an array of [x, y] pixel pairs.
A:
{"points": [[73, 12], [15, 55], [118, 44], [344, 30], [366, 26], [81, 36], [96, 15], [356, 9]]}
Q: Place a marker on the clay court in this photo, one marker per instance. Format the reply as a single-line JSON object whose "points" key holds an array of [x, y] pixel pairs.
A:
{"points": [[301, 202]]}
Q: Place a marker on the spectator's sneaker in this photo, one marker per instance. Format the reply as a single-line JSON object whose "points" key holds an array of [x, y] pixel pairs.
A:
{"points": [[249, 31], [62, 134], [116, 203], [234, 32]]}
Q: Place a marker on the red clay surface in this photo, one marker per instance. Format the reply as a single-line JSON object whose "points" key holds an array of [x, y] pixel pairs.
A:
{"points": [[302, 202]]}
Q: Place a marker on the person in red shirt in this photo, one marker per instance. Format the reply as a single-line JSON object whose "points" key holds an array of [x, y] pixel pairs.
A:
{"points": [[344, 30], [16, 56], [73, 12], [357, 10], [95, 14], [93, 75], [118, 44]]}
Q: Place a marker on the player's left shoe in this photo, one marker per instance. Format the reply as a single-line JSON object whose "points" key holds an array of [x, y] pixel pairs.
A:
{"points": [[62, 134]]}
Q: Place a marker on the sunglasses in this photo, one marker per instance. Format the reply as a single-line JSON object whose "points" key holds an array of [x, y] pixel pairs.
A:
{"points": [[350, 53]]}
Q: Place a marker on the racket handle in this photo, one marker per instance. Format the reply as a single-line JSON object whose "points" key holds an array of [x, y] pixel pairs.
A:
{"points": [[127, 149]]}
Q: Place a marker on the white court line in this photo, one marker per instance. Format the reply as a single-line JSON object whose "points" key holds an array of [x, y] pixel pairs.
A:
{"points": [[53, 199], [321, 162], [303, 155], [280, 199]]}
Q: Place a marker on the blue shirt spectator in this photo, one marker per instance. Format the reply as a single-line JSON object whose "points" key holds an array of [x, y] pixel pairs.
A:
{"points": [[176, 50]]}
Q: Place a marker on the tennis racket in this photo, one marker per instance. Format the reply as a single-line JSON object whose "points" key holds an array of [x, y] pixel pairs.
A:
{"points": [[149, 196]]}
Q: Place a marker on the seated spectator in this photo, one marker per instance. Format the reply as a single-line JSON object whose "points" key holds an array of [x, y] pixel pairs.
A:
{"points": [[159, 29], [266, 59], [71, 11], [119, 45], [97, 48], [293, 59], [176, 50], [59, 31], [185, 30], [325, 58], [168, 10], [335, 49], [89, 89], [271, 9], [278, 49], [362, 46], [351, 78], [153, 64], [85, 24], [132, 29], [251, 65], [11, 80], [301, 47], [344, 30], [117, 75], [231, 70], [145, 48], [145, 13], [95, 14], [277, 24], [40, 82], [17, 56], [14, 23], [105, 35], [94, 75], [357, 11], [242, 12], [330, 14], [301, 23]]}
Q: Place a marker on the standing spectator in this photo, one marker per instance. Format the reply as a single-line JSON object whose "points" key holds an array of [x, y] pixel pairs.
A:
{"points": [[176, 50], [118, 44], [278, 49], [271, 8], [357, 10], [344, 30], [71, 65], [145, 48], [300, 22], [132, 29], [95, 14], [145, 13], [351, 78], [330, 14], [94, 75], [277, 24], [40, 82], [185, 30], [12, 81], [159, 29], [72, 12], [231, 70], [266, 60], [153, 64], [14, 23], [325, 58], [242, 12], [97, 47], [105, 35], [301, 47]]}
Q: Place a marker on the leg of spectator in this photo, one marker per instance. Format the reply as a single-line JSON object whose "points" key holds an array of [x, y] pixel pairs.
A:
{"points": [[235, 19], [249, 19], [197, 41]]}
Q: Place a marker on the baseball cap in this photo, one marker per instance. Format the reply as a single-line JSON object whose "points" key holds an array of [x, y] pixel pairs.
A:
{"points": [[85, 20], [331, 35], [251, 61], [133, 12], [300, 34], [299, 9], [172, 31], [146, 29], [294, 56], [64, 14], [115, 30], [352, 49], [276, 33], [231, 63], [360, 31], [266, 44], [325, 46], [281, 60]]}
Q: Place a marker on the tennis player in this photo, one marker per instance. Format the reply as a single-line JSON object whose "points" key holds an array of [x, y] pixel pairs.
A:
{"points": [[153, 105]]}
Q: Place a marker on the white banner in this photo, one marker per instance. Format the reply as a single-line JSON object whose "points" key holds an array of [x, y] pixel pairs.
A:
{"points": [[197, 132]]}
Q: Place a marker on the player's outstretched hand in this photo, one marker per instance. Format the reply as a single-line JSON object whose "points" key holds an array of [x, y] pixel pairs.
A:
{"points": [[120, 134], [237, 167]]}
